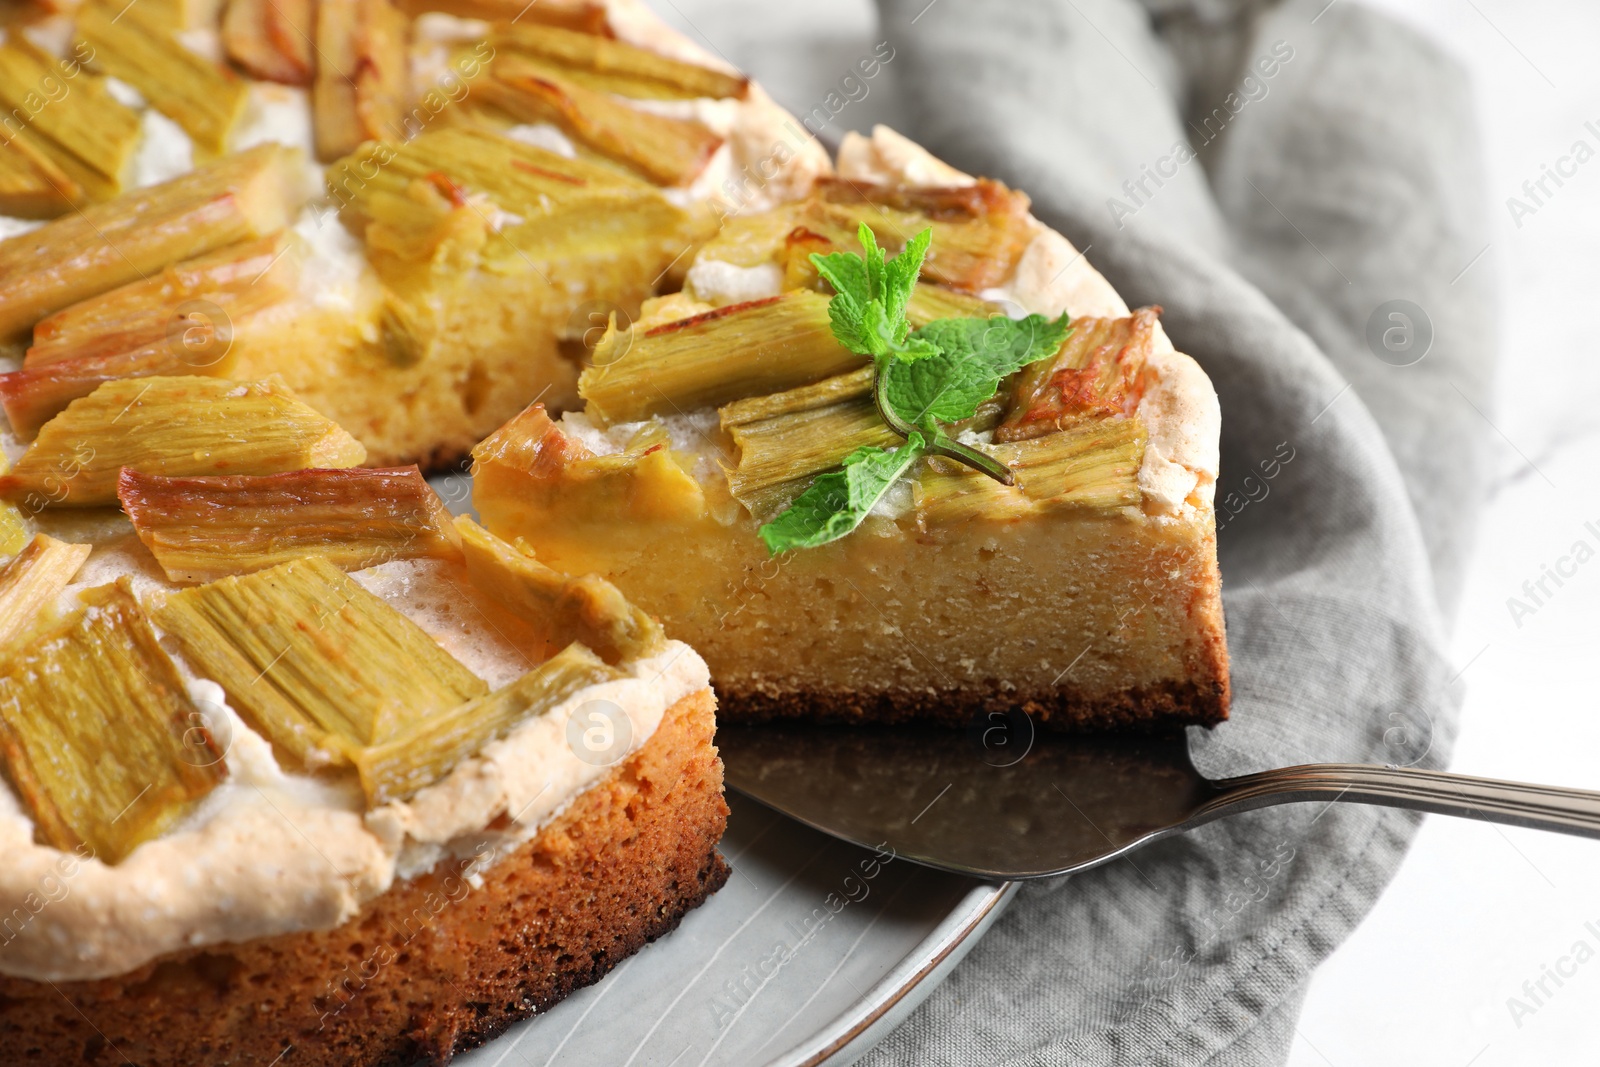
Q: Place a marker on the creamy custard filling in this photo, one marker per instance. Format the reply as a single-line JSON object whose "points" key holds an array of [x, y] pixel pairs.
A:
{"points": [[272, 851]]}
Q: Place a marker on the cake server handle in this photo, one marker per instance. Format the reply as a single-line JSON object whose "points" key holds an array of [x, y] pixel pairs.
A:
{"points": [[1541, 807]]}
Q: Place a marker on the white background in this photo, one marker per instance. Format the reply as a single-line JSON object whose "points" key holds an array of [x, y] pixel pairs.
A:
{"points": [[1476, 911]]}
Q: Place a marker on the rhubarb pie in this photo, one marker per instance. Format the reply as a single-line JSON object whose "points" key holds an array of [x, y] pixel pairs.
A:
{"points": [[297, 768], [301, 769], [868, 505]]}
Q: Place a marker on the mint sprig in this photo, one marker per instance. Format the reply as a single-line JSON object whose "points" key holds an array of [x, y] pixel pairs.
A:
{"points": [[924, 379]]}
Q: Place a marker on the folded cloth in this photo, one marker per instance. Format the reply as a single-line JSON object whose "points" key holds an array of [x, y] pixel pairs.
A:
{"points": [[1277, 178]]}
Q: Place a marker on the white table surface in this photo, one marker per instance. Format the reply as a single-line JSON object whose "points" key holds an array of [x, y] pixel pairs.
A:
{"points": [[1476, 910]]}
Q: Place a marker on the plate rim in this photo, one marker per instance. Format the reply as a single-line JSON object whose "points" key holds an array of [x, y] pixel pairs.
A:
{"points": [[894, 996]]}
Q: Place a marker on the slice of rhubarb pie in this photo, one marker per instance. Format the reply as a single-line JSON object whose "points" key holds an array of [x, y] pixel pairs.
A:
{"points": [[961, 480]]}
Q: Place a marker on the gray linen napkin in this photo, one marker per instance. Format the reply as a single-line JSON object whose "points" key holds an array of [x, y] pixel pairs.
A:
{"points": [[1338, 171]]}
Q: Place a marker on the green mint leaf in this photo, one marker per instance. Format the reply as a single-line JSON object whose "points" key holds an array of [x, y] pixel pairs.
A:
{"points": [[849, 321], [900, 281], [872, 256], [847, 310], [868, 310], [847, 273], [973, 355], [877, 331], [1004, 345], [916, 348], [936, 390], [839, 501]]}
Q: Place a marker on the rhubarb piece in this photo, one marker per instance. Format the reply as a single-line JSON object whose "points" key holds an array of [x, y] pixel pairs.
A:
{"points": [[581, 16], [75, 181], [546, 208], [588, 608], [173, 426], [175, 308], [787, 439], [314, 662], [182, 14], [664, 150], [35, 395], [271, 39], [794, 255], [762, 346], [31, 582], [780, 237], [758, 238], [32, 186], [835, 390], [405, 329], [929, 302], [205, 98], [424, 220], [979, 230], [61, 112], [361, 79], [426, 750], [1098, 372], [610, 66], [14, 533], [98, 734], [182, 320], [238, 198], [200, 529], [1092, 464], [531, 443], [461, 162], [550, 473]]}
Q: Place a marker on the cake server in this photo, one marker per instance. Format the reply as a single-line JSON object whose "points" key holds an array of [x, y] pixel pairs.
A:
{"points": [[967, 802]]}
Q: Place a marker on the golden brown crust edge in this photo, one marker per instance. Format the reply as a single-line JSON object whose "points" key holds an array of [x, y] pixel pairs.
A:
{"points": [[1177, 703], [434, 966], [1209, 659]]}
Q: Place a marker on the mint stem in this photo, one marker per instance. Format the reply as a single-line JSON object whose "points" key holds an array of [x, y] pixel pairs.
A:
{"points": [[886, 410], [939, 444]]}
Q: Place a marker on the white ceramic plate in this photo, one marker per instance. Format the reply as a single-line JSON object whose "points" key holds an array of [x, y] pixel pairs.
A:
{"points": [[811, 953]]}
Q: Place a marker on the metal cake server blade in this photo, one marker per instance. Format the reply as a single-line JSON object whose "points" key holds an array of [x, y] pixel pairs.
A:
{"points": [[959, 802]]}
